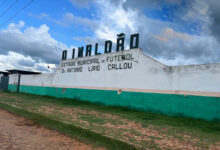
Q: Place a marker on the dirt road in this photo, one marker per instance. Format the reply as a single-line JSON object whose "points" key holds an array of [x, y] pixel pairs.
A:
{"points": [[17, 133]]}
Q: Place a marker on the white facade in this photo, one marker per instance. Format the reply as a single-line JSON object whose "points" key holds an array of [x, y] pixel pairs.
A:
{"points": [[129, 70]]}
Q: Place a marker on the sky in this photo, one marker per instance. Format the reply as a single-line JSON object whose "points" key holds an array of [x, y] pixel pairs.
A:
{"points": [[174, 32]]}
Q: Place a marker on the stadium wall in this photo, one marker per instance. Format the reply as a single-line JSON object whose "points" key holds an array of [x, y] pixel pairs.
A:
{"points": [[131, 79]]}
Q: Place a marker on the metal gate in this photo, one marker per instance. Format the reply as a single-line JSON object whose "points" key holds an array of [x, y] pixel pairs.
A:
{"points": [[4, 82]]}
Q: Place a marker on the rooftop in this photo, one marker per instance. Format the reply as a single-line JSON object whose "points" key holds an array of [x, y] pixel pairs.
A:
{"points": [[16, 71], [4, 72]]}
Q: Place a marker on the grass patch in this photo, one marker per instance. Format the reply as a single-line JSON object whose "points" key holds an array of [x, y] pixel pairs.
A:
{"points": [[70, 130], [92, 119]]}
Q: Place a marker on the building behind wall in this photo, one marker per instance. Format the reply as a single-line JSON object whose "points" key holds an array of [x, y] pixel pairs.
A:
{"points": [[16, 81]]}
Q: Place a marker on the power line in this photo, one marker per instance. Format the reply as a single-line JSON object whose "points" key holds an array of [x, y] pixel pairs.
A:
{"points": [[12, 5], [2, 3], [17, 13]]}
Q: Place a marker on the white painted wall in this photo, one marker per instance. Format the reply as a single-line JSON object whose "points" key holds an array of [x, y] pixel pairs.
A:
{"points": [[145, 74], [13, 79], [196, 77]]}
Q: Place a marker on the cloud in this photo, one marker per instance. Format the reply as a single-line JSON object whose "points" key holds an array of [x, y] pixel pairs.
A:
{"points": [[45, 16], [29, 48], [15, 60], [85, 39], [184, 40], [81, 3], [69, 18], [31, 41], [188, 34], [170, 35], [214, 10], [40, 16]]}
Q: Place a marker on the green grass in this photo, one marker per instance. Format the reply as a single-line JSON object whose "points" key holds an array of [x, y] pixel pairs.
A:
{"points": [[70, 130], [200, 129]]}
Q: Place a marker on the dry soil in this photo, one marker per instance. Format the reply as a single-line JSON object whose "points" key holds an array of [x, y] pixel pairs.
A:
{"points": [[17, 133]]}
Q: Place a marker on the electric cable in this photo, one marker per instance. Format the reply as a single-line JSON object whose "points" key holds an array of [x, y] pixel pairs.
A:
{"points": [[12, 5], [2, 3], [17, 13]]}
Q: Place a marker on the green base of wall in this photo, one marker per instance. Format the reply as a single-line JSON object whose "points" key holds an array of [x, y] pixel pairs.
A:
{"points": [[200, 107], [12, 88]]}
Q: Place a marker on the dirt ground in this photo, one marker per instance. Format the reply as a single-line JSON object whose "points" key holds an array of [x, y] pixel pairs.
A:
{"points": [[17, 133], [144, 131]]}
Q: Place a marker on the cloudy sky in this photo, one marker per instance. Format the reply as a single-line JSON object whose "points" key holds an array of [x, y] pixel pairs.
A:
{"points": [[175, 32]]}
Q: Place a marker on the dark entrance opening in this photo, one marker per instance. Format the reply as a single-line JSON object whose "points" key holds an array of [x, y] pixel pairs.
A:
{"points": [[4, 79]]}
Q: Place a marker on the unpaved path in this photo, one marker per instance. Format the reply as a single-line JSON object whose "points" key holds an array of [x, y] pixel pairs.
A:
{"points": [[17, 133]]}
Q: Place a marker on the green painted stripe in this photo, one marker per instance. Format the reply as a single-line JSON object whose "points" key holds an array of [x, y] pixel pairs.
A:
{"points": [[202, 107], [12, 87]]}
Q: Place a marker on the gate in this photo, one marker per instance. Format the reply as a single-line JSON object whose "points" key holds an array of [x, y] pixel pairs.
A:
{"points": [[4, 82]]}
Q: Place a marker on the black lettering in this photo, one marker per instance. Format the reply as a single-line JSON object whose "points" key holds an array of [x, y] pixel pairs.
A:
{"points": [[108, 46], [129, 65], [73, 53], [113, 66], [89, 68], [132, 45], [119, 57], [94, 68], [120, 66], [80, 51], [71, 63], [78, 69], [88, 50], [123, 57], [96, 49], [116, 66], [107, 59], [96, 61], [125, 66], [109, 67], [64, 55], [120, 42], [116, 58], [70, 69], [127, 57], [79, 63]]}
